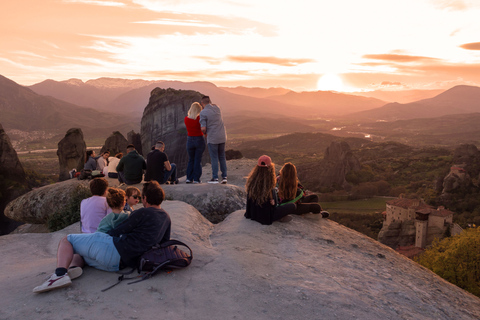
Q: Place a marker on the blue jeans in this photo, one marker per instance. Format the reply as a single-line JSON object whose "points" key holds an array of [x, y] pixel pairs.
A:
{"points": [[217, 154], [170, 174], [195, 149]]}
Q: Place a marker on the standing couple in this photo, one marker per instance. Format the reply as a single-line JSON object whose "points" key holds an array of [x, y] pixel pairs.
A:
{"points": [[205, 119]]}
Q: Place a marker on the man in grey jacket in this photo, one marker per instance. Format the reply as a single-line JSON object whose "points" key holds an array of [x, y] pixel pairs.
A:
{"points": [[212, 126]]}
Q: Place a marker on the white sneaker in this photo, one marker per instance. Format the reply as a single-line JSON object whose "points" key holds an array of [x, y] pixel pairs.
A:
{"points": [[213, 181], [224, 181], [54, 282]]}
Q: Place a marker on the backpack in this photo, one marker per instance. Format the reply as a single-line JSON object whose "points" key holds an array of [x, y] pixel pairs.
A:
{"points": [[165, 255]]}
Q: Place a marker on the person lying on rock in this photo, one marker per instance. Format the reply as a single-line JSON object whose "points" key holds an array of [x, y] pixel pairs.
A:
{"points": [[116, 200], [261, 195], [118, 248], [290, 190], [95, 208]]}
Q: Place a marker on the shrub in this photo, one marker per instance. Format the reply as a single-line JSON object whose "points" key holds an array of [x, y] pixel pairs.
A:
{"points": [[456, 259], [63, 218]]}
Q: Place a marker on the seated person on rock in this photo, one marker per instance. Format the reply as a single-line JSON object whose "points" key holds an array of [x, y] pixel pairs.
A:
{"points": [[158, 166], [130, 168], [291, 191], [112, 166], [118, 248], [133, 198], [93, 209], [261, 195], [102, 162], [90, 160], [116, 201]]}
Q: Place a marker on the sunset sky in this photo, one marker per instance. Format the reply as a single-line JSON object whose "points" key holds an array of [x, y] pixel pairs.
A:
{"points": [[342, 45]]}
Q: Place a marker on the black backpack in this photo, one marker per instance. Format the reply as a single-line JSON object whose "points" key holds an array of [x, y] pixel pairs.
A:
{"points": [[165, 255]]}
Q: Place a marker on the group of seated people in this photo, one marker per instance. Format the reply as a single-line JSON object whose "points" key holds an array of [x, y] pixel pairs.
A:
{"points": [[114, 235], [130, 169], [271, 198]]}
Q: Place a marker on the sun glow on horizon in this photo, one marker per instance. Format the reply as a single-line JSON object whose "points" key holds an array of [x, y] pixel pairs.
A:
{"points": [[330, 82]]}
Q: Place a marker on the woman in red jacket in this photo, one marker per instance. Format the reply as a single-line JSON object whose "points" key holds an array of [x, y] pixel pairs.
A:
{"points": [[195, 143]]}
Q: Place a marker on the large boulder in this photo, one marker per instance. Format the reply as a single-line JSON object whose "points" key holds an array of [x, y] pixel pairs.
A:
{"points": [[115, 143], [38, 205], [214, 201], [310, 268], [71, 153], [163, 119], [12, 179], [136, 140]]}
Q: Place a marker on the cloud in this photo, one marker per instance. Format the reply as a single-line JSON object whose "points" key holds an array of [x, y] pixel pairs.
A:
{"points": [[269, 60], [398, 58], [97, 3], [456, 5], [471, 46], [391, 84]]}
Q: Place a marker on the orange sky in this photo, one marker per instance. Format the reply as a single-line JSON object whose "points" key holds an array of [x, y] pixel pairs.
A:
{"points": [[368, 44]]}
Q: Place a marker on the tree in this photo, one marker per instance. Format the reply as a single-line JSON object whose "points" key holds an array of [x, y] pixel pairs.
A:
{"points": [[456, 259]]}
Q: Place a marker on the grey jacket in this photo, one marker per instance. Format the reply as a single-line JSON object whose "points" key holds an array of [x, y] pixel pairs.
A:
{"points": [[211, 118]]}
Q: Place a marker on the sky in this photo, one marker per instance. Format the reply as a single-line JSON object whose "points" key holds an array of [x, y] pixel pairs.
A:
{"points": [[302, 45]]}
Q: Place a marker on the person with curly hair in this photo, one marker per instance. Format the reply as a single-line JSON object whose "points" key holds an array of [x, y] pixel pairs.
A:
{"points": [[290, 190], [262, 205]]}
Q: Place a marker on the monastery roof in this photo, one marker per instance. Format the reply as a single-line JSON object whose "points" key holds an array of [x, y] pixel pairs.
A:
{"points": [[408, 203], [441, 212]]}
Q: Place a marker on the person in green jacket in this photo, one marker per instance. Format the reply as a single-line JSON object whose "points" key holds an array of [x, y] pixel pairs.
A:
{"points": [[131, 167]]}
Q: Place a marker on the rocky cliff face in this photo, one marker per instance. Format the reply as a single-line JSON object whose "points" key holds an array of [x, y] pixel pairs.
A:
{"points": [[115, 143], [71, 153], [12, 179], [398, 234], [163, 120], [332, 170], [135, 139]]}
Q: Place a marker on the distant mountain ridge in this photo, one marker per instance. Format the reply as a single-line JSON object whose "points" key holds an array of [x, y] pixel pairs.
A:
{"points": [[457, 100], [25, 110], [131, 96]]}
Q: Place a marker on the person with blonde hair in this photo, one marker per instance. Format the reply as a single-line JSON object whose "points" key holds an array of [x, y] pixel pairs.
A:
{"points": [[261, 195], [290, 190], [195, 143]]}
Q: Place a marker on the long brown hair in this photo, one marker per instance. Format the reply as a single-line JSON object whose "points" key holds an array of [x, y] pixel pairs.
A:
{"points": [[287, 185], [260, 183]]}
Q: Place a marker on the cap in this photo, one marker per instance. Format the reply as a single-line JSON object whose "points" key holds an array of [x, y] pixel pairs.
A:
{"points": [[264, 161]]}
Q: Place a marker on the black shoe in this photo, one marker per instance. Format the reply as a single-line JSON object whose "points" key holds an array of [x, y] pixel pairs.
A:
{"points": [[325, 214]]}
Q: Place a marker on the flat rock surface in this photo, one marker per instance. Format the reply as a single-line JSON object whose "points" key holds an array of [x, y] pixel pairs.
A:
{"points": [[309, 268]]}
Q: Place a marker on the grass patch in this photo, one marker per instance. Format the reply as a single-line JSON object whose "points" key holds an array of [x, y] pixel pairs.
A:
{"points": [[365, 206]]}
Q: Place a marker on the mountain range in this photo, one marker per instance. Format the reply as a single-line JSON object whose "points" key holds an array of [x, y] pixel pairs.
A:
{"points": [[103, 105], [457, 100], [25, 110]]}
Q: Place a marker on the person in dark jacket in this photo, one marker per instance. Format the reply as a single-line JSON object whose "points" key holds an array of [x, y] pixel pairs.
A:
{"points": [[130, 168], [159, 167], [121, 246]]}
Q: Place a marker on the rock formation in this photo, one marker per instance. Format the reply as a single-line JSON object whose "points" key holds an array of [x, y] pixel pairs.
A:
{"points": [[71, 153], [214, 202], [398, 234], [332, 170], [163, 119], [136, 140], [115, 143], [12, 179], [233, 154], [39, 204], [309, 268]]}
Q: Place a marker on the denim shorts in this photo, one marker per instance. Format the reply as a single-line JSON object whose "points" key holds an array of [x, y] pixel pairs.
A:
{"points": [[97, 249]]}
